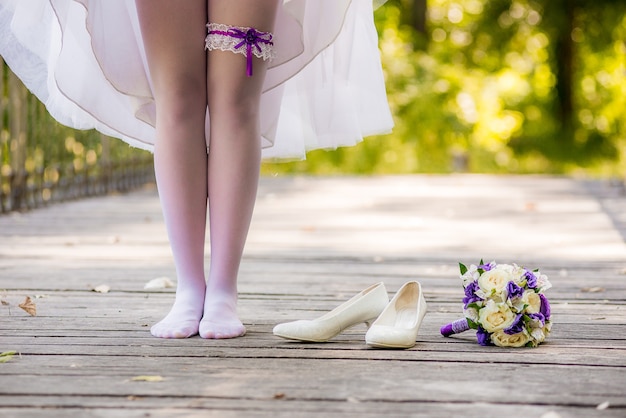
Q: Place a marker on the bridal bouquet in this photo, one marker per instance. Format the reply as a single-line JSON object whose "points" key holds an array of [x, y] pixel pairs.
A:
{"points": [[505, 304]]}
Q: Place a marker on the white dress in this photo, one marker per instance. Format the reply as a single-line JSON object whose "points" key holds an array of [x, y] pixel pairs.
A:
{"points": [[84, 59]]}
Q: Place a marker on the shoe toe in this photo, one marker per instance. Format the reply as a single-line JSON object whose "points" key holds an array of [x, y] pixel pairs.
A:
{"points": [[390, 337], [289, 330], [303, 330]]}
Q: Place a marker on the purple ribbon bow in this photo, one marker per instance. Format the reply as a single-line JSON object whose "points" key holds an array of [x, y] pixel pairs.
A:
{"points": [[251, 38]]}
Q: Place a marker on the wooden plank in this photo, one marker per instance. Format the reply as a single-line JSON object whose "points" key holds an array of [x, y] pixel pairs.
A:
{"points": [[366, 380], [163, 406], [347, 347]]}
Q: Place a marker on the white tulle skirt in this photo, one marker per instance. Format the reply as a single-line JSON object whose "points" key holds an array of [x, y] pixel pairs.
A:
{"points": [[85, 60]]}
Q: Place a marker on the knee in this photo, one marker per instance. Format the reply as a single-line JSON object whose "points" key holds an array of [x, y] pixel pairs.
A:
{"points": [[181, 102], [235, 108]]}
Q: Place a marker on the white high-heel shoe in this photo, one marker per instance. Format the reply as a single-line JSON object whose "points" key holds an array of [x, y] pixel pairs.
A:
{"points": [[399, 323], [364, 307]]}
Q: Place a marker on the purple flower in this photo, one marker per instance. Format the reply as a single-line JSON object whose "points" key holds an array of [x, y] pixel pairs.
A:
{"points": [[514, 291], [516, 327], [470, 293], [545, 306], [486, 267], [483, 337], [531, 279], [538, 317]]}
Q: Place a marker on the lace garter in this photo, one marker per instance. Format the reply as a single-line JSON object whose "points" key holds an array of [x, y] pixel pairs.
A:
{"points": [[240, 40]]}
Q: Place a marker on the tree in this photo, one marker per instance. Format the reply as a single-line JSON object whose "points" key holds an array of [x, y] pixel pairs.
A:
{"points": [[415, 14], [18, 138]]}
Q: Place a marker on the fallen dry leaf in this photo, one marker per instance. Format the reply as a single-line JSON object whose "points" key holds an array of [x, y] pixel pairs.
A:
{"points": [[6, 356], [4, 302], [592, 289], [29, 306], [103, 288], [147, 379], [159, 283]]}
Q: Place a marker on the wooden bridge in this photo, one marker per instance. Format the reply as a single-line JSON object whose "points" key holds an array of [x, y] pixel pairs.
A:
{"points": [[314, 243]]}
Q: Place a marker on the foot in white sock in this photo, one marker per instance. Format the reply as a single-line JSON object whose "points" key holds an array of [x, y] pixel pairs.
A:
{"points": [[220, 318], [183, 319]]}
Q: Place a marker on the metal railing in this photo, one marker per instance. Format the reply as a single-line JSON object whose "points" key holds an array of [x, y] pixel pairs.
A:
{"points": [[23, 190], [42, 162]]}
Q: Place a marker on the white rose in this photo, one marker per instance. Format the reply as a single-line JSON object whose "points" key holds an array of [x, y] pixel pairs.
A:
{"points": [[495, 316], [494, 281], [533, 301], [502, 339], [508, 267]]}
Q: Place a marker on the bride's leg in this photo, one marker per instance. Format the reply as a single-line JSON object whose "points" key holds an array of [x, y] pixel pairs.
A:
{"points": [[173, 33], [234, 160]]}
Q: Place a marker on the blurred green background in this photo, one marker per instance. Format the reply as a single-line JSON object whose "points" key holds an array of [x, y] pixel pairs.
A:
{"points": [[482, 86], [496, 86]]}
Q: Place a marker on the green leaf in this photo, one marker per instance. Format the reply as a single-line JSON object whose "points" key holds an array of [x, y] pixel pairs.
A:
{"points": [[462, 268], [6, 356], [472, 324], [480, 270]]}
